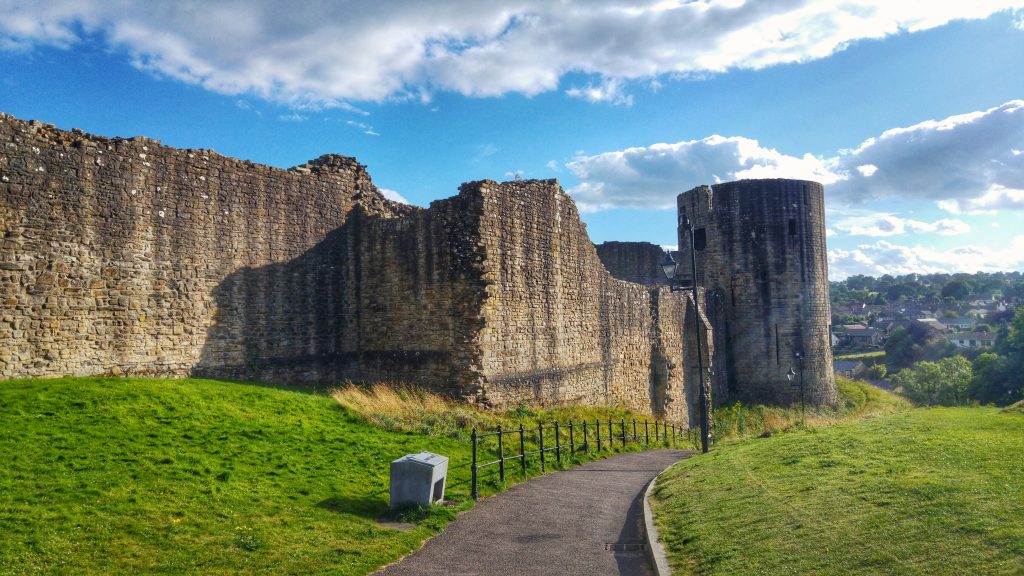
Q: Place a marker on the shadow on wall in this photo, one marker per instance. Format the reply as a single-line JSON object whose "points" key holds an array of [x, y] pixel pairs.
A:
{"points": [[290, 322], [379, 299]]}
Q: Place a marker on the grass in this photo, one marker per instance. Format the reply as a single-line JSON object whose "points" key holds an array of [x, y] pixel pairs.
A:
{"points": [[927, 491], [862, 355], [856, 400], [122, 476]]}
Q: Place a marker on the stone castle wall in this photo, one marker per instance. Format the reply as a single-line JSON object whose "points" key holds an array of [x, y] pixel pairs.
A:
{"points": [[638, 262], [761, 257], [127, 257], [558, 326]]}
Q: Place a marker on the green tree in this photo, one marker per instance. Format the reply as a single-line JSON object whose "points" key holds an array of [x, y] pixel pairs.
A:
{"points": [[991, 380], [877, 371], [943, 383], [956, 289]]}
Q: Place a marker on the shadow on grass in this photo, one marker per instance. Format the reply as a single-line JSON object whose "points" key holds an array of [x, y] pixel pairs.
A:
{"points": [[369, 506]]}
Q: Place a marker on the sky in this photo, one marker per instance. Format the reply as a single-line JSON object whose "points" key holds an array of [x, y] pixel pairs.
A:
{"points": [[910, 113]]}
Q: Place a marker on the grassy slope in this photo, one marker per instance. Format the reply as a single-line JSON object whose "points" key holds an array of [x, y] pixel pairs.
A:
{"points": [[928, 491], [171, 476]]}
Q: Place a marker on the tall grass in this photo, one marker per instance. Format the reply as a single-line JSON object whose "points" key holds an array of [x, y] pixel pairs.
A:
{"points": [[856, 400], [406, 408]]}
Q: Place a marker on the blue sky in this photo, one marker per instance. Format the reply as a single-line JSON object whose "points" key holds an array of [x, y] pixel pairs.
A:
{"points": [[910, 113]]}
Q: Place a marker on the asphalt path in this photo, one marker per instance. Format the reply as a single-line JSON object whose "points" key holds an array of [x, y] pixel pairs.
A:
{"points": [[585, 520]]}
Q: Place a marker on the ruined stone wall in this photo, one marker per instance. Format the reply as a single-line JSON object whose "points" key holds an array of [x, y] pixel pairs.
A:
{"points": [[761, 257], [122, 256], [558, 327], [638, 262], [128, 256]]}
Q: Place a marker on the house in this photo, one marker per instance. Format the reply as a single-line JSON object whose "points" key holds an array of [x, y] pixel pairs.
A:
{"points": [[934, 323], [973, 339], [862, 336], [960, 323], [848, 368]]}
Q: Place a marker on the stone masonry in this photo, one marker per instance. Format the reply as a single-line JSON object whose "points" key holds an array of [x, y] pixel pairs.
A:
{"points": [[760, 251], [122, 256]]}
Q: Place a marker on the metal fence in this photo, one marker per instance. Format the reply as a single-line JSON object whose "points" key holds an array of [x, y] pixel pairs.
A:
{"points": [[582, 436]]}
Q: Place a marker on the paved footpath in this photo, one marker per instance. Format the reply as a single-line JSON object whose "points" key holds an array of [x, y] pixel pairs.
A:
{"points": [[585, 520]]}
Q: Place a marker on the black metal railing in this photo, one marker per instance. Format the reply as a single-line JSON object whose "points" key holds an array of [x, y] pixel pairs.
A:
{"points": [[567, 439]]}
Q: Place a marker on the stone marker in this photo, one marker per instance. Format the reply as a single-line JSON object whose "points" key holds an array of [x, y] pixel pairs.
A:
{"points": [[418, 479]]}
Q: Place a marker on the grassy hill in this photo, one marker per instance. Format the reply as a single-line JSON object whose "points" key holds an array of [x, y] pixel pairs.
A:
{"points": [[926, 491], [128, 476]]}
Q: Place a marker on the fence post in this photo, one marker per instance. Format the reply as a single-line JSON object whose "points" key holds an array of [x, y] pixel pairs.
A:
{"points": [[611, 435], [623, 425], [647, 434], [572, 441], [655, 431], [540, 430], [501, 455], [597, 423], [558, 444], [522, 447], [586, 441], [473, 490], [673, 440], [634, 429]]}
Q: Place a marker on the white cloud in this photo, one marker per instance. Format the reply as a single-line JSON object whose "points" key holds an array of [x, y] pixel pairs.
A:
{"points": [[608, 90], [882, 224], [392, 195], [652, 176], [515, 174], [965, 163], [317, 54], [293, 117], [366, 128], [554, 166], [884, 257]]}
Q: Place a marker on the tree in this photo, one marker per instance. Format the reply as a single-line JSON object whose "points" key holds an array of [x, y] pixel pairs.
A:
{"points": [[877, 371], [942, 383], [956, 289]]}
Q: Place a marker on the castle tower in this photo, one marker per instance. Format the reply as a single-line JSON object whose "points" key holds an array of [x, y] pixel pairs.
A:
{"points": [[760, 252]]}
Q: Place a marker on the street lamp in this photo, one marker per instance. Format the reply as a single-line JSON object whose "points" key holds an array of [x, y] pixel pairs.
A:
{"points": [[669, 266], [791, 374]]}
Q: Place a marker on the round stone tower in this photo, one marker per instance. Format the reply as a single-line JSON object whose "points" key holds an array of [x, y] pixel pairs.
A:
{"points": [[760, 251]]}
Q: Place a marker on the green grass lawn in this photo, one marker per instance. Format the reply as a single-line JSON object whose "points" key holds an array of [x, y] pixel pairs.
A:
{"points": [[861, 355], [926, 491], [122, 476]]}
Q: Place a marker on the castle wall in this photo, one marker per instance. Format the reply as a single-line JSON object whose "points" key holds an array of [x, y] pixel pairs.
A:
{"points": [[127, 257], [763, 265], [558, 327], [124, 256], [638, 262]]}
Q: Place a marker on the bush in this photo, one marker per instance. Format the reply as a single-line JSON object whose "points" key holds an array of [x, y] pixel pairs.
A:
{"points": [[943, 383]]}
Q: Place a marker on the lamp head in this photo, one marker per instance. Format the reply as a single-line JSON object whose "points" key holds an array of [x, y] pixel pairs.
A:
{"points": [[668, 266]]}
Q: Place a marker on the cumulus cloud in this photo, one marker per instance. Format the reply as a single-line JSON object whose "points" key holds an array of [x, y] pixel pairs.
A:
{"points": [[609, 90], [884, 257], [968, 163], [392, 195], [314, 53], [891, 225], [652, 176]]}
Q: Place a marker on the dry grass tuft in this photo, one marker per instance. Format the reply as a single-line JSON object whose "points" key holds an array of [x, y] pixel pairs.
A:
{"points": [[407, 408]]}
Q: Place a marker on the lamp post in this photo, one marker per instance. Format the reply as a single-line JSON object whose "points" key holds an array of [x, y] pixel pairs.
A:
{"points": [[791, 374], [669, 266]]}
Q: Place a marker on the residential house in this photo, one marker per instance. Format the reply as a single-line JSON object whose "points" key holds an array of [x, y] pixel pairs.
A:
{"points": [[961, 323], [848, 368], [973, 339]]}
